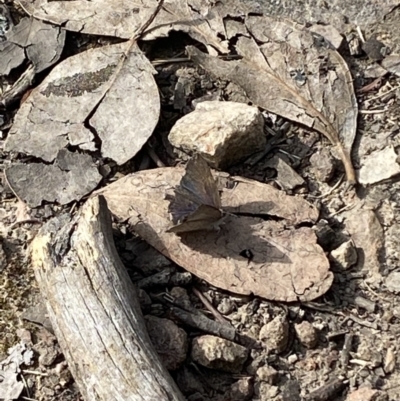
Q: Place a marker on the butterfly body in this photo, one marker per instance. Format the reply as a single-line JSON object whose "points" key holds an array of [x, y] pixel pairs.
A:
{"points": [[196, 205]]}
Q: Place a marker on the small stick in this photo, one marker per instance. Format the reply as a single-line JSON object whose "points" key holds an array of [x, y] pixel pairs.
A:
{"points": [[360, 34], [327, 391], [345, 353], [153, 156], [209, 306]]}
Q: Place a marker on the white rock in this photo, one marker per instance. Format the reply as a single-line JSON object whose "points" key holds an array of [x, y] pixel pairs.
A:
{"points": [[345, 255], [378, 166], [267, 374], [306, 334], [222, 132], [275, 334], [218, 353], [393, 282]]}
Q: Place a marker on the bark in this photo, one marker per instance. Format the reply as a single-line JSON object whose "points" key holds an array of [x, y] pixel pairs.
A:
{"points": [[94, 310]]}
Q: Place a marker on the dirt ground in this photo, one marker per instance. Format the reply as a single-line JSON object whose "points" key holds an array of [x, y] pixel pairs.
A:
{"points": [[354, 327]]}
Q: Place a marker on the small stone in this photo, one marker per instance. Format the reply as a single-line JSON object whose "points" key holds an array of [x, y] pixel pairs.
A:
{"points": [[222, 132], [267, 392], [255, 364], [345, 255], [366, 351], [326, 236], [306, 334], [363, 394], [292, 359], [390, 361], [180, 293], [267, 374], [242, 390], [379, 165], [323, 165], [169, 340], [218, 353], [275, 334], [226, 306], [392, 282], [367, 233], [354, 44], [374, 49]]}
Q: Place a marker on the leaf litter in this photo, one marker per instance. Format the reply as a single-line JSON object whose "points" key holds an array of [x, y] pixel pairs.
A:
{"points": [[286, 264], [283, 229]]}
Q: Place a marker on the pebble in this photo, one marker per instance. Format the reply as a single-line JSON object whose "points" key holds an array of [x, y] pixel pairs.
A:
{"points": [[218, 353], [169, 340], [345, 256], [222, 132], [275, 334], [306, 334]]}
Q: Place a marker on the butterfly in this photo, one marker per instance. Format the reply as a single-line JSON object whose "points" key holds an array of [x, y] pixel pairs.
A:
{"points": [[196, 204]]}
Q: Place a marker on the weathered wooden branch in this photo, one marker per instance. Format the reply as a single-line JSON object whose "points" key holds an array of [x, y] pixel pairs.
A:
{"points": [[94, 310]]}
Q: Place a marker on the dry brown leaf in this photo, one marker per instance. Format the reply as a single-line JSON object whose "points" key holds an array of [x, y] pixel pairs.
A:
{"points": [[287, 264], [58, 112], [40, 43], [122, 17], [294, 73], [72, 176]]}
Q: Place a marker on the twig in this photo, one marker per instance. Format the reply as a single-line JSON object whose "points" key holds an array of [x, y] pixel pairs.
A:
{"points": [[375, 293], [345, 354], [343, 209], [209, 306], [360, 34], [374, 111], [327, 391], [153, 155], [30, 221], [328, 192], [383, 94], [362, 322], [25, 386], [34, 372]]}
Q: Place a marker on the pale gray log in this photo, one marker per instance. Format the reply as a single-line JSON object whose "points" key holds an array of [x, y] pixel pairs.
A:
{"points": [[95, 312]]}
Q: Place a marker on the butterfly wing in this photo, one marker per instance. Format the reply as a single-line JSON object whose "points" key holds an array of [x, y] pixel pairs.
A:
{"points": [[196, 204], [203, 218], [198, 184]]}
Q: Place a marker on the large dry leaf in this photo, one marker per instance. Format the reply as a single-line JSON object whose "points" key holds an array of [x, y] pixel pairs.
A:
{"points": [[122, 18], [72, 176], [294, 73], [41, 43], [80, 98], [287, 264]]}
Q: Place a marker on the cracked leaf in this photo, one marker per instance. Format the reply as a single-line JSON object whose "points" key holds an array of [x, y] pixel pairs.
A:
{"points": [[122, 18], [41, 43], [286, 264], [294, 73], [59, 111], [72, 177]]}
